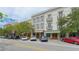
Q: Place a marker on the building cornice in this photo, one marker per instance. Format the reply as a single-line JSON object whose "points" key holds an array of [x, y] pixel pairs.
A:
{"points": [[49, 10]]}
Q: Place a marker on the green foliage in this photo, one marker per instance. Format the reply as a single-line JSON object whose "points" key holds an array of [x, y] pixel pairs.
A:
{"points": [[2, 32], [70, 23], [19, 27], [1, 15], [74, 20]]}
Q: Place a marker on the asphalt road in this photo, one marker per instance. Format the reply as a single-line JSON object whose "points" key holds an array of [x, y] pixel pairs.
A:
{"points": [[19, 45]]}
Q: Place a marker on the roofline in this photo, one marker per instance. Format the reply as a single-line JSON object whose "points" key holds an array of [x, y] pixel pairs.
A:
{"points": [[43, 12]]}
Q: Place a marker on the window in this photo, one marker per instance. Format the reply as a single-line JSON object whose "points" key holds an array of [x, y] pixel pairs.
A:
{"points": [[38, 19], [49, 19], [42, 25], [49, 16], [49, 26], [37, 26], [60, 14], [42, 18], [48, 34]]}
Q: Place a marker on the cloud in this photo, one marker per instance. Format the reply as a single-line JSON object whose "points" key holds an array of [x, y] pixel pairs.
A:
{"points": [[20, 13]]}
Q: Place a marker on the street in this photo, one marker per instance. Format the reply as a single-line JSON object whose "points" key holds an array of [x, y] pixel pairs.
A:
{"points": [[19, 45]]}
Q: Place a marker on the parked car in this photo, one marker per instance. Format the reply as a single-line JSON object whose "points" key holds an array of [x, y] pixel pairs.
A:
{"points": [[33, 38], [17, 37], [44, 39], [9, 36], [74, 40], [24, 38]]}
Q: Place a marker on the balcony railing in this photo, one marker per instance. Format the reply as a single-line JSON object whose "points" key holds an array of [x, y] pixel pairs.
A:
{"points": [[49, 19]]}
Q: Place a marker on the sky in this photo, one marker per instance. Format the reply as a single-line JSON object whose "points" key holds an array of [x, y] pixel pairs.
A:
{"points": [[21, 13]]}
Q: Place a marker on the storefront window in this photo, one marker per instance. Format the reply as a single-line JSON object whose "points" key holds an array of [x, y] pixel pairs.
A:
{"points": [[48, 34]]}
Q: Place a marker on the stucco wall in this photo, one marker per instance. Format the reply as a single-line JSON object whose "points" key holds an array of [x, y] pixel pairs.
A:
{"points": [[66, 11]]}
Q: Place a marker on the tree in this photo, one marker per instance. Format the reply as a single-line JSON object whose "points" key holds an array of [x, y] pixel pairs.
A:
{"points": [[1, 15], [70, 23], [62, 21], [74, 20], [19, 27]]}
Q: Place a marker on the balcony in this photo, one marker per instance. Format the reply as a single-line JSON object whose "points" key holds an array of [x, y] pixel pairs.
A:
{"points": [[49, 26], [49, 19]]}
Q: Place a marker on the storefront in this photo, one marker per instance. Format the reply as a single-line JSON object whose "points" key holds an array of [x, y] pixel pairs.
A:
{"points": [[52, 34], [38, 34], [28, 34]]}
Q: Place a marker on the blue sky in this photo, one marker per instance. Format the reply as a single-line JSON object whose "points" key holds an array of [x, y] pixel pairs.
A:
{"points": [[21, 13]]}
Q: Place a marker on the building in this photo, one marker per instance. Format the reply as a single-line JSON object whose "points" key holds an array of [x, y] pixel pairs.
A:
{"points": [[47, 21]]}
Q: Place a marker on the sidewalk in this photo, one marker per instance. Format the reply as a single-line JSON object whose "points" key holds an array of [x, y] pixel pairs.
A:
{"points": [[60, 43]]}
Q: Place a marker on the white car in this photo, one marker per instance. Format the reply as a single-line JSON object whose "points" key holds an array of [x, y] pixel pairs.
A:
{"points": [[24, 38], [33, 38]]}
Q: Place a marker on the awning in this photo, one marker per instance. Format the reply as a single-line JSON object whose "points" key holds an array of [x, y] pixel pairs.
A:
{"points": [[53, 31]]}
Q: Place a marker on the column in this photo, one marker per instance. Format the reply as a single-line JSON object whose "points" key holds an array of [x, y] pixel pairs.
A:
{"points": [[58, 36], [50, 35]]}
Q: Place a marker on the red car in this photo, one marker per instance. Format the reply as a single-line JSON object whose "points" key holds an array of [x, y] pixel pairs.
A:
{"points": [[74, 40]]}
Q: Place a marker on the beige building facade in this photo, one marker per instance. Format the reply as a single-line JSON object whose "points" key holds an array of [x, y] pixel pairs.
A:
{"points": [[47, 21]]}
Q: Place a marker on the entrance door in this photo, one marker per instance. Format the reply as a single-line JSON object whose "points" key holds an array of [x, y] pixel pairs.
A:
{"points": [[54, 36], [48, 34], [38, 35]]}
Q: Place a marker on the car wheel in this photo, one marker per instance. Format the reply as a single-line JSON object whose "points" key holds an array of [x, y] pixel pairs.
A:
{"points": [[62, 40], [73, 43], [76, 43]]}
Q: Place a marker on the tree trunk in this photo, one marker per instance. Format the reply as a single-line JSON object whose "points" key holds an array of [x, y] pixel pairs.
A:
{"points": [[67, 35]]}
